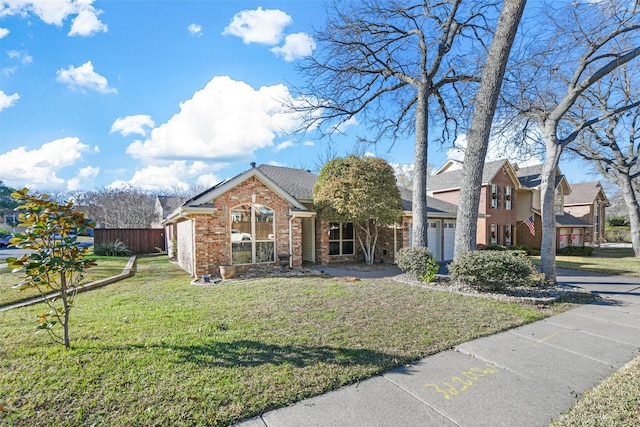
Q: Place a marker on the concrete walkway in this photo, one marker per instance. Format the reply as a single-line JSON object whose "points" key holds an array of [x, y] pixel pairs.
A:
{"points": [[522, 377]]}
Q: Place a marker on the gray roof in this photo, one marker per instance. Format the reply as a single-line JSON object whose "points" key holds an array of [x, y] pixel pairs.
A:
{"points": [[584, 193], [570, 220], [530, 176], [453, 179], [433, 205], [297, 182]]}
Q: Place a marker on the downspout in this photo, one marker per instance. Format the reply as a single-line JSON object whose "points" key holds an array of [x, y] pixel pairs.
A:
{"points": [[193, 246], [395, 242], [290, 241]]}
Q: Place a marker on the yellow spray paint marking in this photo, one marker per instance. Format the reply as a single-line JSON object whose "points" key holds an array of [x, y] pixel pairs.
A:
{"points": [[548, 338], [463, 382]]}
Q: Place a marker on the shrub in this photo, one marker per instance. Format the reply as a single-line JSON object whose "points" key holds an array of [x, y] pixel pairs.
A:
{"points": [[493, 247], [418, 262], [576, 251], [527, 250], [116, 248], [618, 221], [492, 270]]}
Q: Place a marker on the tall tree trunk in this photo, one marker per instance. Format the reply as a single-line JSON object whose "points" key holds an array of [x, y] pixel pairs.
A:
{"points": [[419, 207], [486, 101], [633, 206], [547, 189]]}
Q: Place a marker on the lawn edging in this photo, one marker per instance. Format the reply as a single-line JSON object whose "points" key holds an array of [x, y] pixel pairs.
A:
{"points": [[127, 271]]}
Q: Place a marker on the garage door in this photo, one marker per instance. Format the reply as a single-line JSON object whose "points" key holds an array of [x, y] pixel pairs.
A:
{"points": [[565, 235], [434, 242], [449, 236]]}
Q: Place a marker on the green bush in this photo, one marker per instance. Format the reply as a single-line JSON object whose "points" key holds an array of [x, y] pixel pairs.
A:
{"points": [[618, 221], [576, 251], [492, 270], [525, 249], [418, 262], [493, 247], [116, 248]]}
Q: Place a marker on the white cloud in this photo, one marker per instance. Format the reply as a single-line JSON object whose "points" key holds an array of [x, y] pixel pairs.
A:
{"points": [[207, 180], [137, 124], [7, 101], [308, 143], [21, 56], [163, 177], [258, 26], [84, 177], [38, 168], [344, 125], [283, 145], [295, 46], [86, 23], [54, 12], [84, 77], [3, 32], [195, 29], [226, 120]]}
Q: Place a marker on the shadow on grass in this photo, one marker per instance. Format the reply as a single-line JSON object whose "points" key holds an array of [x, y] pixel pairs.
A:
{"points": [[247, 353]]}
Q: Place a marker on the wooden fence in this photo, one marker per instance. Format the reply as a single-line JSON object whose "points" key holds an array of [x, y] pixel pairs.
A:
{"points": [[138, 240]]}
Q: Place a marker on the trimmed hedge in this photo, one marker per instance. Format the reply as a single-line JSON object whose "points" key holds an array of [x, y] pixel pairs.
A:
{"points": [[418, 262], [492, 270], [576, 251]]}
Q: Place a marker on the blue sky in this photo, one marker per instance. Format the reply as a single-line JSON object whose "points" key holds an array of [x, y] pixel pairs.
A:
{"points": [[157, 94]]}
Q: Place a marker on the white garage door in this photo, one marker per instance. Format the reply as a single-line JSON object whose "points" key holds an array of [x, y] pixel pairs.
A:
{"points": [[434, 242], [449, 235]]}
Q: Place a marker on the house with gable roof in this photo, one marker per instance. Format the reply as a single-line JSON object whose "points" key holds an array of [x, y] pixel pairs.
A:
{"points": [[570, 231], [588, 202], [498, 198], [268, 210]]}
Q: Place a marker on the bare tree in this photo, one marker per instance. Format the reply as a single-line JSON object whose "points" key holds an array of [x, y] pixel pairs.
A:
{"points": [[587, 42], [614, 144], [387, 62], [126, 207], [486, 102]]}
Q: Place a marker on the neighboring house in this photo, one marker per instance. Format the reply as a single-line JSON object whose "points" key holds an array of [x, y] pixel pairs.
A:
{"points": [[164, 205], [498, 197], [588, 202], [268, 210], [570, 230]]}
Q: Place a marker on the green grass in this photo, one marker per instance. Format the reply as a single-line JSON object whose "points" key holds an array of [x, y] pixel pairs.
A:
{"points": [[155, 350], [613, 402], [107, 266], [618, 261]]}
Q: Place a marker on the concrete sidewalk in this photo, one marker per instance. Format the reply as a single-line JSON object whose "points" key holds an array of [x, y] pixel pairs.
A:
{"points": [[522, 377]]}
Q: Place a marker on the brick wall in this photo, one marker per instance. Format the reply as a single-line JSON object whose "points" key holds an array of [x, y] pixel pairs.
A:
{"points": [[212, 231]]}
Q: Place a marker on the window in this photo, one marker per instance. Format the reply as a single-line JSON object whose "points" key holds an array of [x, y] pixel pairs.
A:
{"points": [[494, 234], [341, 238], [596, 220], [508, 236], [252, 234], [495, 196], [508, 198], [559, 202]]}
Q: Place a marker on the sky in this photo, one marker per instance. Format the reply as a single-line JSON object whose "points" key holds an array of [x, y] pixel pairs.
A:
{"points": [[160, 95]]}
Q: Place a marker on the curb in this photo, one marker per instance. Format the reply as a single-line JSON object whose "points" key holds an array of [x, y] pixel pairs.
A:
{"points": [[127, 271]]}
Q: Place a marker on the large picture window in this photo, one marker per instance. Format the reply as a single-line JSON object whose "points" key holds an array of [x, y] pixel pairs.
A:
{"points": [[341, 238], [252, 234]]}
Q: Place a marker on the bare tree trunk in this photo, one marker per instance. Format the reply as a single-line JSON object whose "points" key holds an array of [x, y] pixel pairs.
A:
{"points": [[420, 172], [486, 101], [633, 206], [65, 308], [547, 188]]}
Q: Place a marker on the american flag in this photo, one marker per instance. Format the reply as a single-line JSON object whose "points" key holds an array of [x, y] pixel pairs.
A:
{"points": [[531, 225]]}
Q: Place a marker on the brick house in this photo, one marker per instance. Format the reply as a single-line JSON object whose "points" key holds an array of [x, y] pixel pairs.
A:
{"points": [[268, 210], [498, 199], [570, 231], [588, 202]]}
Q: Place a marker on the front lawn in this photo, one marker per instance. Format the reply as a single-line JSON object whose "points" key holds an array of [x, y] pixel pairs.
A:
{"points": [[155, 350], [619, 261], [107, 267]]}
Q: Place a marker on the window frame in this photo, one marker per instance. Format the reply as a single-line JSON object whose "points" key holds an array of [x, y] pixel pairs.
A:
{"points": [[341, 240], [253, 241]]}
